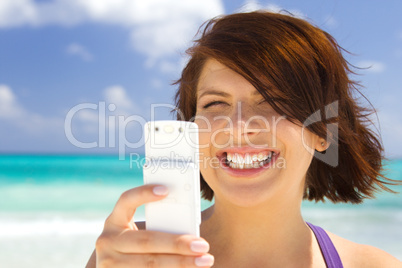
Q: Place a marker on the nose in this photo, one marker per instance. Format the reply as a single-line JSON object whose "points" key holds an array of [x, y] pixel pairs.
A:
{"points": [[242, 123]]}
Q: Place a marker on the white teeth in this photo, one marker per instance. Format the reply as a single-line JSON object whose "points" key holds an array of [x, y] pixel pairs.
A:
{"points": [[239, 159], [236, 160], [262, 157], [248, 160]]}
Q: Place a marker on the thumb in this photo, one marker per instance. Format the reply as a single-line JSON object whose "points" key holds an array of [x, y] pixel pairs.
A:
{"points": [[130, 200]]}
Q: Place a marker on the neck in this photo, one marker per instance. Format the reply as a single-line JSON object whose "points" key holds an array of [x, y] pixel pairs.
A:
{"points": [[253, 233]]}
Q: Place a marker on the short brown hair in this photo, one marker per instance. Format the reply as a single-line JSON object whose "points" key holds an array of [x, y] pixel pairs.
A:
{"points": [[299, 69]]}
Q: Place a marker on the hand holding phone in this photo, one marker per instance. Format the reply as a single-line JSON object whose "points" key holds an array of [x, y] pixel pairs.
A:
{"points": [[172, 161], [122, 244]]}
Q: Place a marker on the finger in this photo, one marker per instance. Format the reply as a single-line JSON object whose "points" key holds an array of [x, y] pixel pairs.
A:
{"points": [[159, 242], [157, 260], [128, 202]]}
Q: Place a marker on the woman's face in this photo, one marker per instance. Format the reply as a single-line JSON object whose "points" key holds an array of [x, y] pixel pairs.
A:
{"points": [[249, 153]]}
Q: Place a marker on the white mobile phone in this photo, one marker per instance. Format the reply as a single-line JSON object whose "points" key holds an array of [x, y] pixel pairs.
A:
{"points": [[172, 159]]}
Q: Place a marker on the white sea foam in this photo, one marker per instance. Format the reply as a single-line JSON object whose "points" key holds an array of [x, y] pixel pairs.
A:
{"points": [[31, 224], [53, 217], [66, 239], [57, 226], [47, 240]]}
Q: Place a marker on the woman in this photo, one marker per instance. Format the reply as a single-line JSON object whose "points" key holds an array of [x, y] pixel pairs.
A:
{"points": [[274, 94]]}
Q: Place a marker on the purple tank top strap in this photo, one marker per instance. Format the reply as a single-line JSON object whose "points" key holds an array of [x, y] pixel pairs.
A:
{"points": [[328, 249]]}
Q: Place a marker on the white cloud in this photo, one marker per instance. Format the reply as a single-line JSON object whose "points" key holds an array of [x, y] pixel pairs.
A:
{"points": [[9, 107], [117, 95], [12, 111], [86, 115], [372, 66], [166, 66], [273, 8], [252, 5], [17, 12], [249, 6], [80, 51], [85, 122], [116, 102], [159, 28]]}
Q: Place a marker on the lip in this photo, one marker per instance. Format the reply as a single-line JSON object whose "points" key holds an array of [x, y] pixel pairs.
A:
{"points": [[243, 150]]}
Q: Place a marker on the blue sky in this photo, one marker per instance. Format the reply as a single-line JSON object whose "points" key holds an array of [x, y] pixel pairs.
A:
{"points": [[57, 54]]}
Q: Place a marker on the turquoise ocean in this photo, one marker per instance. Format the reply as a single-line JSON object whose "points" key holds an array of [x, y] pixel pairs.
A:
{"points": [[52, 208]]}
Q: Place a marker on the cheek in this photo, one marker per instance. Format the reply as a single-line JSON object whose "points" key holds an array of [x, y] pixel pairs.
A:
{"points": [[208, 145], [299, 144], [204, 133], [308, 140], [213, 133]]}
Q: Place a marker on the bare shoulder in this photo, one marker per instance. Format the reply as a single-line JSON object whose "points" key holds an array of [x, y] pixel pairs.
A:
{"points": [[358, 255], [140, 225]]}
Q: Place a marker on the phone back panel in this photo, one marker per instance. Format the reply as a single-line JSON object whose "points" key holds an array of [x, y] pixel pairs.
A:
{"points": [[179, 211], [171, 151], [171, 140]]}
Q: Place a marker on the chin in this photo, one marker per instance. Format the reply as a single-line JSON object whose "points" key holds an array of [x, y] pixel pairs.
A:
{"points": [[242, 195]]}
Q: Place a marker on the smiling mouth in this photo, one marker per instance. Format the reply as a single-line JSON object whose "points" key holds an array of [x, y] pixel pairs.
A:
{"points": [[248, 160]]}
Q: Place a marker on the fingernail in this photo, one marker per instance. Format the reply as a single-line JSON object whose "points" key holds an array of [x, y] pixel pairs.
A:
{"points": [[160, 190], [206, 260], [199, 246]]}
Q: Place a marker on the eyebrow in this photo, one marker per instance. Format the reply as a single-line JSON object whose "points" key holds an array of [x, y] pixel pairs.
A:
{"points": [[221, 93], [214, 92]]}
